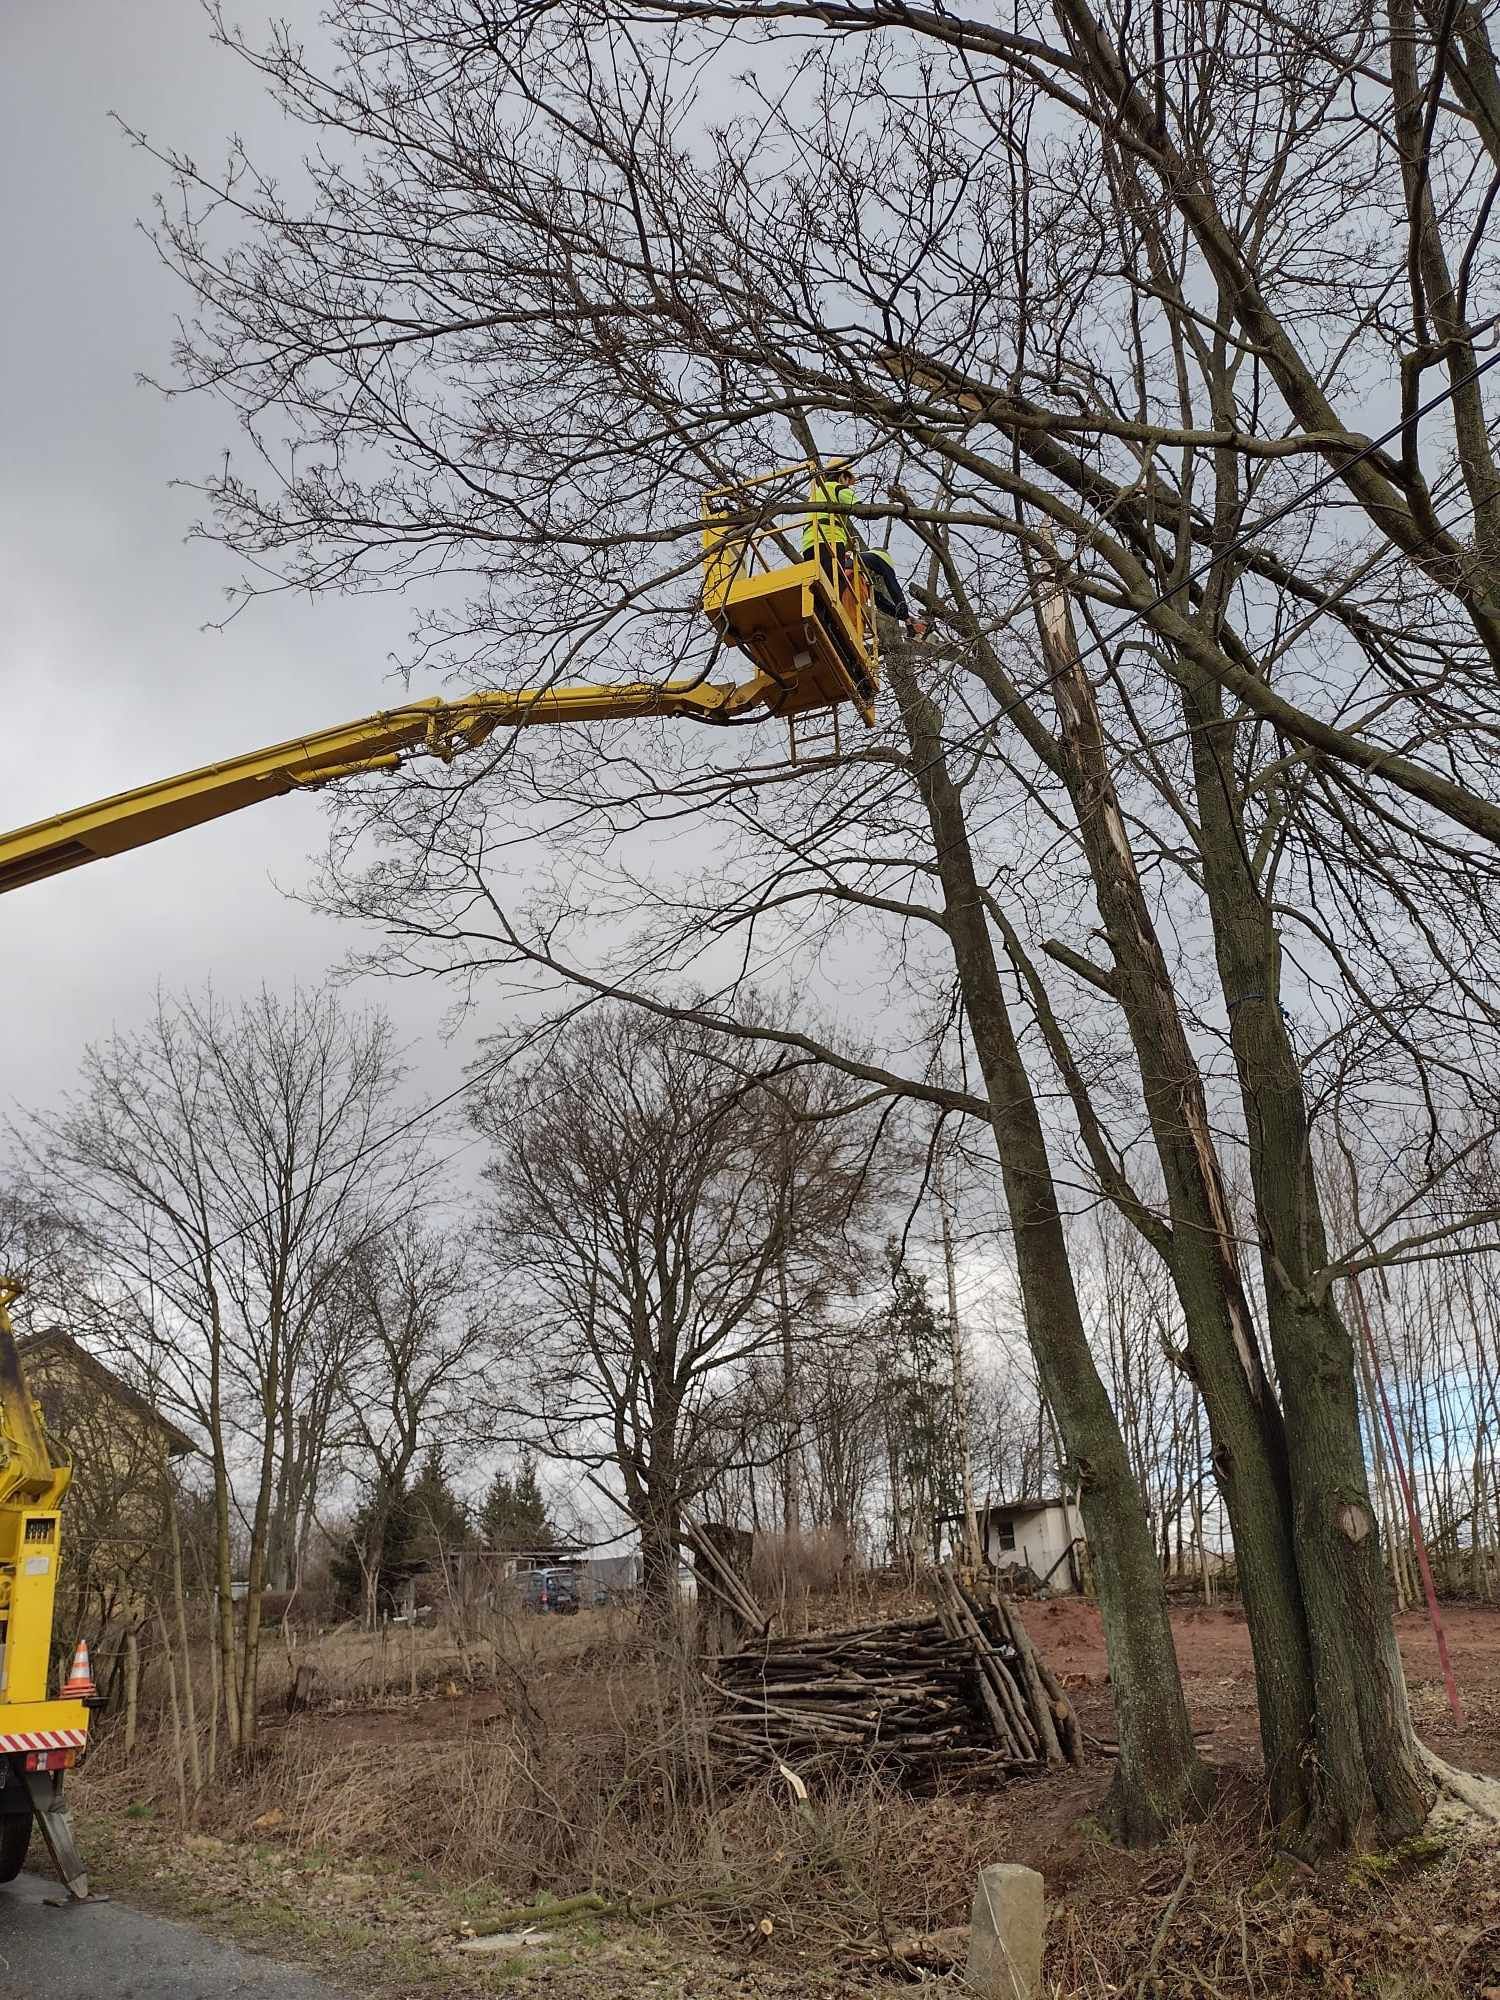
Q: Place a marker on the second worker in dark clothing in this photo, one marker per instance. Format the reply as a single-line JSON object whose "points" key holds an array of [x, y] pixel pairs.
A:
{"points": [[889, 596]]}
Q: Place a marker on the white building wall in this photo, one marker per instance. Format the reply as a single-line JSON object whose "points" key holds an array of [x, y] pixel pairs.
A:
{"points": [[1040, 1540]]}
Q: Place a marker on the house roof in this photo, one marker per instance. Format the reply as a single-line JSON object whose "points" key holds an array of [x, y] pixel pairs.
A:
{"points": [[1037, 1505], [52, 1340], [561, 1547]]}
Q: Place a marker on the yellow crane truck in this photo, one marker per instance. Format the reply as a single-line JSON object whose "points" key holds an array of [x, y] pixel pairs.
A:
{"points": [[39, 1738], [793, 598]]}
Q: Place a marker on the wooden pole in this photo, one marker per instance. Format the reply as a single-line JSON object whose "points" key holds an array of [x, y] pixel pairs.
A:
{"points": [[973, 1554], [189, 1699], [1419, 1540]]}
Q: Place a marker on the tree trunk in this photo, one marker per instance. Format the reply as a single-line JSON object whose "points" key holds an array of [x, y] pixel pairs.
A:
{"points": [[224, 1592], [215, 1676], [660, 1560], [722, 1627], [1367, 1772], [189, 1699], [178, 1760], [1390, 1518], [256, 1584], [1159, 1779], [791, 1471], [972, 1553], [1223, 1346]]}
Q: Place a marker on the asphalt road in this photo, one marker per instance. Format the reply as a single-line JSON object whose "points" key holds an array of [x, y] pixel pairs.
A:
{"points": [[104, 1951]]}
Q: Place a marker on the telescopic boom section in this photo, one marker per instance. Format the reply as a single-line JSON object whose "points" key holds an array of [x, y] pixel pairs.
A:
{"points": [[375, 743], [804, 619]]}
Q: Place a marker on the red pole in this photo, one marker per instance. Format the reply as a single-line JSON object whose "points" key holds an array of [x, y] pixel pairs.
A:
{"points": [[1434, 1616]]}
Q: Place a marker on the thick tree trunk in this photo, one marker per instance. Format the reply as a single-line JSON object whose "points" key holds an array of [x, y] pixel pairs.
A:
{"points": [[1223, 1346], [654, 1490], [722, 1628], [660, 1561], [1159, 1779], [1367, 1771]]}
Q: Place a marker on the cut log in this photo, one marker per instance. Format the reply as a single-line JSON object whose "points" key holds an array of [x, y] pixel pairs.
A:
{"points": [[1039, 1702]]}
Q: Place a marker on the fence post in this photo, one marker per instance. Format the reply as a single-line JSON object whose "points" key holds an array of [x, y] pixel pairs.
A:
{"points": [[1005, 1933]]}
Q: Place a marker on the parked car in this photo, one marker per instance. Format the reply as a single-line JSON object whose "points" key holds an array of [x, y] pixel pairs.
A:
{"points": [[549, 1590]]}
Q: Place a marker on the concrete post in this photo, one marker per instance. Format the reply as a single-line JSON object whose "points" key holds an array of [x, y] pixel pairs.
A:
{"points": [[1005, 1933]]}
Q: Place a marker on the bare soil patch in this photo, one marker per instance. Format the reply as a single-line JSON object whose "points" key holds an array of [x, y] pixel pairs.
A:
{"points": [[1213, 1647]]}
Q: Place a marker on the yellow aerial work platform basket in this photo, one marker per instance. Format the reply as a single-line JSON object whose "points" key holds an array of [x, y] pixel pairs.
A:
{"points": [[806, 620]]}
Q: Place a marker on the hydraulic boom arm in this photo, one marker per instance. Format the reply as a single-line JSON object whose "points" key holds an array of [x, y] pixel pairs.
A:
{"points": [[28, 1470], [378, 742], [805, 624]]}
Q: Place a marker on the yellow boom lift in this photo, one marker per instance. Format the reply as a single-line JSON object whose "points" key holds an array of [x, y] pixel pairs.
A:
{"points": [[39, 1739], [806, 624]]}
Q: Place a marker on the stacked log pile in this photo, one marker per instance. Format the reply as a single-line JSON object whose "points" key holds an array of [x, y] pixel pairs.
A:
{"points": [[960, 1694]]}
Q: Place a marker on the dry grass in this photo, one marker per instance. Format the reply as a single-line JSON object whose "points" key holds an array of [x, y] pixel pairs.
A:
{"points": [[353, 1666], [548, 1755], [485, 1812], [1218, 1912], [562, 1760]]}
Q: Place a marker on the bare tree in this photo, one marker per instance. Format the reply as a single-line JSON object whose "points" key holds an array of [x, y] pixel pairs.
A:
{"points": [[1097, 301], [417, 1368], [225, 1164], [645, 1203]]}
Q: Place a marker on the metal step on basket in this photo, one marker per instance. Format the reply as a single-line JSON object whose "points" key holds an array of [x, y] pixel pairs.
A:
{"points": [[814, 734]]}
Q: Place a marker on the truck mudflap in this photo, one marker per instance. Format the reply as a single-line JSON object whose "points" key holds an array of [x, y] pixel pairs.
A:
{"points": [[56, 1822]]}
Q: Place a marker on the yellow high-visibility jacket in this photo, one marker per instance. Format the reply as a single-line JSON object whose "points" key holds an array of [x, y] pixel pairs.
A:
{"points": [[825, 527]]}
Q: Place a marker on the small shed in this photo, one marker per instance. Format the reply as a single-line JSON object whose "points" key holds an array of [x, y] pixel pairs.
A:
{"points": [[1045, 1535]]}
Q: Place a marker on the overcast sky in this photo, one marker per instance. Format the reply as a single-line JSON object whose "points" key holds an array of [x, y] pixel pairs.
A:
{"points": [[109, 677]]}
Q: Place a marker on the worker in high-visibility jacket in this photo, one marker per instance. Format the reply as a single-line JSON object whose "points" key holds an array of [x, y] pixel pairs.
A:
{"points": [[827, 532], [829, 535], [889, 596]]}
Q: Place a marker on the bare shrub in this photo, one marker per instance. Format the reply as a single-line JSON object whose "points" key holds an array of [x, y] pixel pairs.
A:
{"points": [[630, 1816], [814, 1562], [578, 1765]]}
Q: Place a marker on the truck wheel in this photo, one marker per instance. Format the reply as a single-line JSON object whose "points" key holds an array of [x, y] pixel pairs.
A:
{"points": [[15, 1838]]}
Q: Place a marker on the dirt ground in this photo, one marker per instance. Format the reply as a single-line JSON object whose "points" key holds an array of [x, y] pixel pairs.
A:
{"points": [[1213, 1648], [1214, 1642], [578, 1670], [579, 1676]]}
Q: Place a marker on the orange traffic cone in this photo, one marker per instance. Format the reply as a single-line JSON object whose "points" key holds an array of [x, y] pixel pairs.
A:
{"points": [[79, 1685]]}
